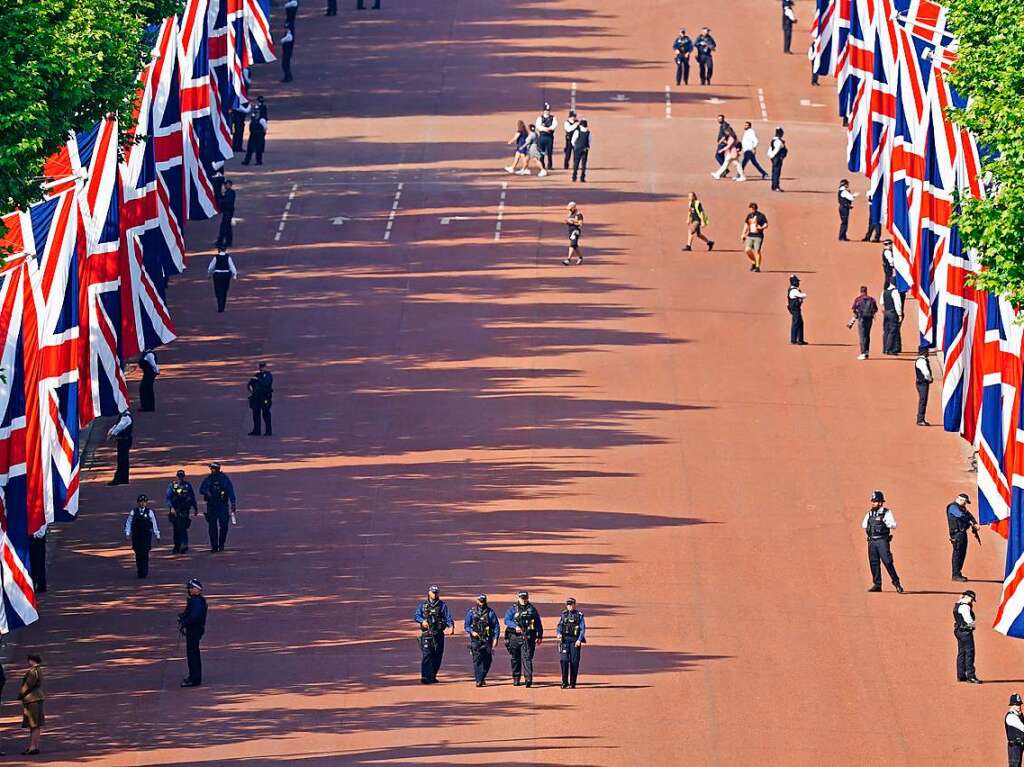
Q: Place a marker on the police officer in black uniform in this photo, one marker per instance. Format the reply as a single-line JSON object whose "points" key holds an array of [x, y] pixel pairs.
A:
{"points": [[433, 617], [572, 635], [846, 198], [122, 433], [192, 624], [140, 527], [150, 370], [963, 629], [923, 377], [705, 46], [878, 525], [892, 319], [682, 48], [888, 263], [960, 520], [1014, 722], [261, 398], [225, 236], [794, 302], [788, 20], [181, 499], [523, 632], [481, 625]]}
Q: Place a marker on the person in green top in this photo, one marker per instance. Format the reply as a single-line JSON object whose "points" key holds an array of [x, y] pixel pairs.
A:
{"points": [[698, 218]]}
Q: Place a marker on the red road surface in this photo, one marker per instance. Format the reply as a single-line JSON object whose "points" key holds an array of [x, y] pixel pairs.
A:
{"points": [[636, 432]]}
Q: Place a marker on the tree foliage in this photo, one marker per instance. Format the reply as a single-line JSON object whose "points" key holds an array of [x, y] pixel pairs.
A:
{"points": [[990, 71], [64, 64]]}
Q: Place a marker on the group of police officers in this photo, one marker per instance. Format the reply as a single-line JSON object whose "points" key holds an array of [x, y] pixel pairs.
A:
{"points": [[524, 630]]}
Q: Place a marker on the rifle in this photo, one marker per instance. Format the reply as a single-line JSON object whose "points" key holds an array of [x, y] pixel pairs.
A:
{"points": [[974, 532]]}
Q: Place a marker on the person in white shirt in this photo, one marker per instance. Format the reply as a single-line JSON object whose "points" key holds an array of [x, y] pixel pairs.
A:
{"points": [[788, 20], [569, 127], [140, 527], [878, 525], [122, 432], [892, 319], [794, 303], [1014, 722], [846, 198], [777, 153], [811, 57], [963, 630], [222, 270], [749, 144], [546, 124], [150, 370], [923, 376], [287, 46]]}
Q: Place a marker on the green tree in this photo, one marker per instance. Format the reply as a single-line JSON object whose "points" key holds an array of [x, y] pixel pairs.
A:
{"points": [[990, 71]]}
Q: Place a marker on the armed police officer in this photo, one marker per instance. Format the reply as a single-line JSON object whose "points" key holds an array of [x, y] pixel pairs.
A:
{"points": [[181, 499], [795, 303], [192, 624], [682, 48], [960, 520], [572, 634], [433, 617], [705, 46], [261, 399], [878, 525], [523, 632], [963, 629], [1014, 722], [481, 625], [140, 527], [219, 494]]}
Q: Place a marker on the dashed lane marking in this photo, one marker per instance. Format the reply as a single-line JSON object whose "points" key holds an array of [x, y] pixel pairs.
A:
{"points": [[394, 211], [572, 98], [668, 102], [501, 209], [284, 213], [764, 108]]}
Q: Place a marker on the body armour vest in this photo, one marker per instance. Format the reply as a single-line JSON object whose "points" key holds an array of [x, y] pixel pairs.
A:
{"points": [[876, 523], [481, 625], [959, 624], [570, 624], [432, 615]]}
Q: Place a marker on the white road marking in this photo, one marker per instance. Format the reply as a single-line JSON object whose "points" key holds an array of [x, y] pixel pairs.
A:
{"points": [[501, 211], [764, 109], [284, 213], [339, 220], [620, 97], [572, 98], [715, 100], [391, 215], [448, 219], [668, 102]]}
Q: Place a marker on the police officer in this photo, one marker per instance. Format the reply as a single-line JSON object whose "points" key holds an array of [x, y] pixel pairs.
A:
{"points": [[923, 376], [140, 527], [777, 153], [580, 151], [261, 398], [572, 635], [705, 45], [892, 319], [222, 270], [523, 632], [1014, 722], [795, 302], [888, 263], [682, 48], [150, 370], [846, 198], [257, 134], [481, 626], [874, 233], [291, 8], [960, 520], [181, 499], [788, 20], [963, 630], [225, 236], [219, 494], [287, 46], [433, 617], [122, 432], [569, 127], [878, 525], [546, 125], [192, 623]]}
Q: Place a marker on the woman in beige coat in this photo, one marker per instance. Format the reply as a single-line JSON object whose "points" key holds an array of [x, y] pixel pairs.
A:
{"points": [[31, 697]]}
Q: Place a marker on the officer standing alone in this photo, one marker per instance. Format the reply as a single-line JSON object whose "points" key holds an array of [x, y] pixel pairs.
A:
{"points": [[219, 494], [682, 47], [122, 433], [795, 301], [923, 376], [481, 625], [892, 320], [140, 527], [192, 623], [226, 236], [788, 20], [523, 632], [181, 499], [963, 629], [222, 270], [433, 617], [878, 525], [1014, 723], [960, 520], [572, 635], [261, 399], [777, 153], [147, 388], [287, 46], [846, 198]]}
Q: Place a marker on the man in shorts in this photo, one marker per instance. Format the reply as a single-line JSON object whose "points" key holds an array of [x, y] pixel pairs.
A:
{"points": [[697, 218], [753, 236], [574, 220]]}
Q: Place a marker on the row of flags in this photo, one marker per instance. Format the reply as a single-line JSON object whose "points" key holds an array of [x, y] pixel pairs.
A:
{"points": [[891, 60], [84, 285]]}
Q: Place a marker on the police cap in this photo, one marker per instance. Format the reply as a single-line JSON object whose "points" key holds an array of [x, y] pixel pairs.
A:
{"points": [[570, 601], [878, 497], [194, 583], [523, 594], [180, 473], [966, 498], [214, 465], [970, 594], [142, 498], [1015, 700], [481, 598], [434, 589]]}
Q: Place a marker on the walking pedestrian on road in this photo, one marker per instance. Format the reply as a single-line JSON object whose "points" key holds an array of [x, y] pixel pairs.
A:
{"points": [[878, 525], [574, 220], [140, 527], [923, 376], [682, 47], [519, 158], [261, 399], [222, 270], [731, 154], [225, 236], [1014, 723], [433, 617], [219, 494], [794, 302], [581, 151], [963, 630], [572, 635], [147, 387], [698, 219], [846, 198], [705, 45], [788, 20], [481, 626], [181, 499], [287, 46], [192, 623], [749, 144], [752, 235], [569, 127], [533, 153], [122, 432], [777, 153], [960, 520], [724, 130], [546, 124], [257, 135], [864, 310], [523, 632], [32, 697], [892, 320]]}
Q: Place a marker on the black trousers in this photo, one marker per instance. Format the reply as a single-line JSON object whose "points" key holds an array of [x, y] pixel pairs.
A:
{"points": [[483, 656], [579, 164], [887, 275], [707, 68], [922, 400], [879, 552], [147, 394], [569, 660], [221, 283], [192, 656], [37, 562], [567, 154], [787, 36], [959, 542], [124, 448], [521, 649], [180, 524], [432, 647], [864, 331], [332, 7], [546, 145], [776, 173], [141, 549], [964, 654], [1013, 754], [874, 232], [256, 413], [796, 327], [218, 523], [225, 235], [255, 147], [286, 68], [683, 70], [360, 5], [844, 222], [748, 157], [892, 343], [238, 135]]}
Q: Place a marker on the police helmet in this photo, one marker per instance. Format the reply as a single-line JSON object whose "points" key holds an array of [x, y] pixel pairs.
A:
{"points": [[194, 583], [142, 498], [481, 598], [970, 594], [794, 280], [215, 466], [523, 594], [1015, 700], [180, 473], [570, 601], [966, 498], [878, 497], [434, 589]]}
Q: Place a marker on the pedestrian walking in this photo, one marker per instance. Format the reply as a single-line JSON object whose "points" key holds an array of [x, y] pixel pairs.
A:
{"points": [[533, 154], [122, 433], [140, 528], [37, 562], [192, 625], [731, 158], [291, 7], [572, 635], [846, 198], [682, 47], [923, 377], [959, 520], [433, 617], [777, 153], [864, 310], [581, 151], [147, 387], [181, 499], [892, 320], [519, 158], [788, 20], [481, 626], [523, 632], [888, 263], [222, 270], [878, 525], [219, 494], [225, 236], [874, 232], [724, 131], [697, 219], [32, 698], [546, 123], [287, 46], [705, 46], [794, 303], [574, 220], [1014, 723], [963, 630], [257, 135], [569, 127], [752, 235], [749, 143], [261, 399]]}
